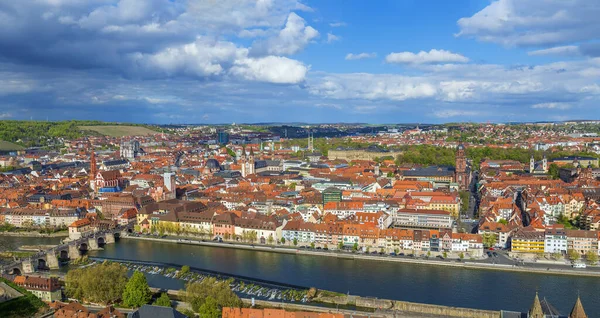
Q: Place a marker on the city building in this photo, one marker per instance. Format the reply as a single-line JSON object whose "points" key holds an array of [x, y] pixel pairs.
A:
{"points": [[46, 289]]}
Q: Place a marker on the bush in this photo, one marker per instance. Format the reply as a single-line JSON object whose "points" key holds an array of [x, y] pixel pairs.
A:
{"points": [[163, 300]]}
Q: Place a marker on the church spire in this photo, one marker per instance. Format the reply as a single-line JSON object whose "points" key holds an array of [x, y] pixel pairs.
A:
{"points": [[536, 308], [93, 167], [577, 311]]}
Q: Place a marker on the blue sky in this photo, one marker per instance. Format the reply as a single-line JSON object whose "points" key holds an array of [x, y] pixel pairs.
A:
{"points": [[208, 61]]}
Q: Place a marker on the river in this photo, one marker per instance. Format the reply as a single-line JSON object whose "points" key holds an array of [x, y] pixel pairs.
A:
{"points": [[484, 289]]}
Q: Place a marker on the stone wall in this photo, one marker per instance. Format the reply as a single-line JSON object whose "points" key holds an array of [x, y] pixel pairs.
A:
{"points": [[408, 307], [444, 310]]}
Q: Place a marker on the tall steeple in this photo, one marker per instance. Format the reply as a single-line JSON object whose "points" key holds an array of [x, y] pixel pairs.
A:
{"points": [[577, 311], [536, 308], [93, 171]]}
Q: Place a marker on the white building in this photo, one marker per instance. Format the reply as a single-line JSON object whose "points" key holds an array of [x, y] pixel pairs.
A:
{"points": [[555, 241]]}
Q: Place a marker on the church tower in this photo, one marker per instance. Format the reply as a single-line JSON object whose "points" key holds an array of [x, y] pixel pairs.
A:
{"points": [[93, 171], [531, 164], [577, 311], [536, 308], [250, 163], [545, 164], [461, 167]]}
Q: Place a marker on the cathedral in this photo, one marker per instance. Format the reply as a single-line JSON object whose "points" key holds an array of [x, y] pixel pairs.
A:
{"points": [[543, 309], [247, 163]]}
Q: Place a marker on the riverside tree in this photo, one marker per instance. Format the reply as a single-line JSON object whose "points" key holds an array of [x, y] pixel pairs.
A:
{"points": [[197, 294], [163, 300], [102, 283], [137, 292], [592, 257]]}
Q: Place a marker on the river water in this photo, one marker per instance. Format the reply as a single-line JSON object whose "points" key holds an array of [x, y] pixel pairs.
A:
{"points": [[484, 289]]}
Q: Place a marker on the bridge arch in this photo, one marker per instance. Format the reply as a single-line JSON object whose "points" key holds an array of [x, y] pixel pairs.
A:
{"points": [[16, 271], [101, 241], [42, 263], [63, 255], [83, 247]]}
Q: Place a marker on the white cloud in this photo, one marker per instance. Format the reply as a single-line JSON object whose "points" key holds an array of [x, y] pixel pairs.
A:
{"points": [[290, 40], [337, 24], [332, 38], [272, 69], [360, 56], [534, 22], [567, 50], [554, 105], [431, 57], [373, 87]]}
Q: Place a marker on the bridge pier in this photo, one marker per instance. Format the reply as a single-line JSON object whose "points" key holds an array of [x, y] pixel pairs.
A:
{"points": [[93, 244], [52, 260], [73, 251], [29, 266], [109, 238]]}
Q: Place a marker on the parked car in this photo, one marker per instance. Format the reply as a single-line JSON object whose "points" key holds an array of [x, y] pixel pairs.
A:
{"points": [[401, 254], [392, 254]]}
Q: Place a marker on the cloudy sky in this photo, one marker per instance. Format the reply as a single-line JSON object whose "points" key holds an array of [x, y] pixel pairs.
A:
{"points": [[223, 61]]}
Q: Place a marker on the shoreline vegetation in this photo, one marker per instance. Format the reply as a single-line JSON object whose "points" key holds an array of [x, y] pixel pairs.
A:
{"points": [[268, 295], [290, 250]]}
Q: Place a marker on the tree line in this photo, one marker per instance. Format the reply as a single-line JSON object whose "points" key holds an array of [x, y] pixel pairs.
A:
{"points": [[107, 283]]}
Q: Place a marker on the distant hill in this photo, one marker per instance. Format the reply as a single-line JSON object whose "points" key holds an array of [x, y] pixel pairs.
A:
{"points": [[119, 130]]}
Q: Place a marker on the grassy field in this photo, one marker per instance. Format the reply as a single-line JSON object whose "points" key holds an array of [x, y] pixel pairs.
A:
{"points": [[119, 131], [5, 146]]}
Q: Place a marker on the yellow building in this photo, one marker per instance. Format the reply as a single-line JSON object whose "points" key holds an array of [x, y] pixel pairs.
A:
{"points": [[528, 242]]}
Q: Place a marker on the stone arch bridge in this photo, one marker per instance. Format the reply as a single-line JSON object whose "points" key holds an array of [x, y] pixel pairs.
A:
{"points": [[51, 259]]}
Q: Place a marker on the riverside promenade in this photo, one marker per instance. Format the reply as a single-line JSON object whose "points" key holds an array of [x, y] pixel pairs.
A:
{"points": [[529, 268]]}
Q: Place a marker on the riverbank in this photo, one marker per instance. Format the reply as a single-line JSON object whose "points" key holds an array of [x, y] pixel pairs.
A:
{"points": [[35, 234], [345, 255]]}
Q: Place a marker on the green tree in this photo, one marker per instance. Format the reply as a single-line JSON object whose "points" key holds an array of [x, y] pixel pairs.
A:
{"points": [[312, 244], [355, 246], [103, 283], [295, 241], [553, 171], [270, 239], [489, 239], [163, 300], [591, 257], [573, 255], [210, 308], [137, 292], [445, 255], [340, 245], [461, 255], [464, 198], [283, 240], [197, 293], [503, 221], [185, 269]]}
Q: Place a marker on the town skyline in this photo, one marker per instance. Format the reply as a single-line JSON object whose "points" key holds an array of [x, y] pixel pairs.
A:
{"points": [[285, 61]]}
